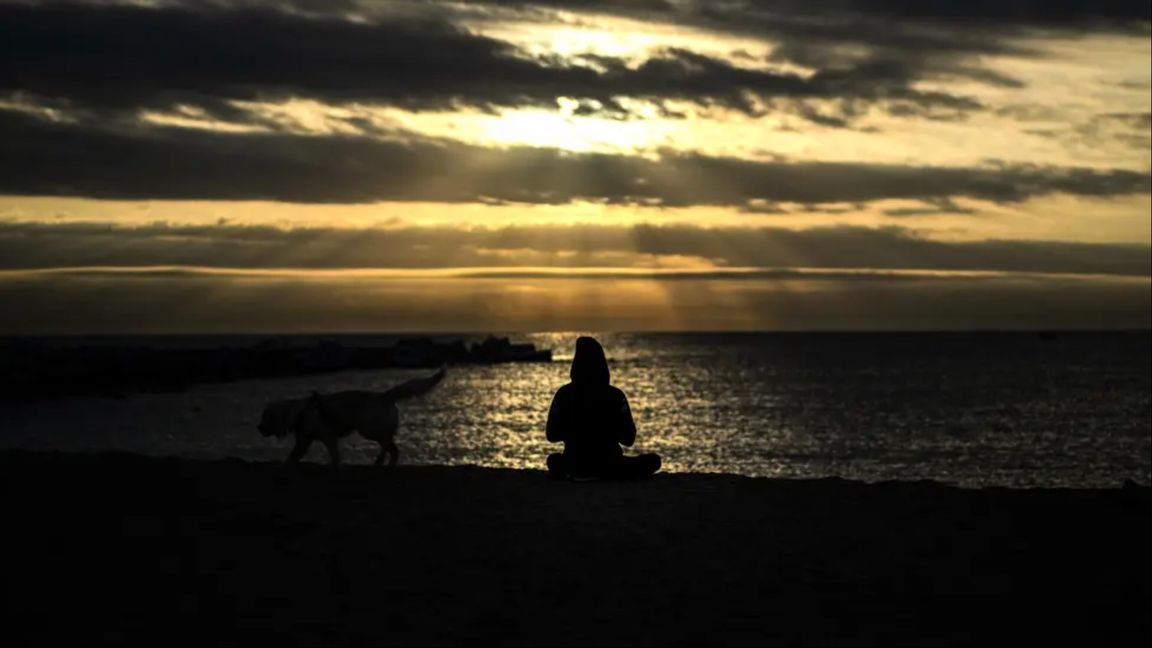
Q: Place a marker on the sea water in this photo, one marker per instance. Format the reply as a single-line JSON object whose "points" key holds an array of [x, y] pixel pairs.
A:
{"points": [[974, 409]]}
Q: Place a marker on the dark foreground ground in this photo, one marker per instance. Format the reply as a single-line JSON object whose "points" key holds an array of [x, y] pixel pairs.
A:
{"points": [[125, 548]]}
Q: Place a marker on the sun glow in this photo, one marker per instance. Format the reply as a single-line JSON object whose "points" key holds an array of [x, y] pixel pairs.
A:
{"points": [[564, 130]]}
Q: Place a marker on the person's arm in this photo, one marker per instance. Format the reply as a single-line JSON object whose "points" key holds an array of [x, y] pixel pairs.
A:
{"points": [[627, 425], [558, 419]]}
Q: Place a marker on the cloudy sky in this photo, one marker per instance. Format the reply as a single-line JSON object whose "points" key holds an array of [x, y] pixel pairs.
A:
{"points": [[365, 165]]}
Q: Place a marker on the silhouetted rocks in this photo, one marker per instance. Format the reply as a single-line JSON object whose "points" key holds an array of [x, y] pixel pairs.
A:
{"points": [[495, 350], [32, 368], [125, 549]]}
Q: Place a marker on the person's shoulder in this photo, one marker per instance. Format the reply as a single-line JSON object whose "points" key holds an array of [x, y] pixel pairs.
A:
{"points": [[616, 392]]}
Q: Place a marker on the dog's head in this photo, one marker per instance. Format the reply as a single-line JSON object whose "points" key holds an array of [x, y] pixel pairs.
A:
{"points": [[277, 419]]}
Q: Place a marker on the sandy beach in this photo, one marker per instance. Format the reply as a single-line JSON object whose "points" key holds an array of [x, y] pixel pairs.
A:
{"points": [[121, 548]]}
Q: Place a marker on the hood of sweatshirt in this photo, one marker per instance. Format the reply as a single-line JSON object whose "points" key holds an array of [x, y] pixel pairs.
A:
{"points": [[589, 366]]}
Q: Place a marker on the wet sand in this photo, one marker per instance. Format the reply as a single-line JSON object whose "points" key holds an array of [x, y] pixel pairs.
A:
{"points": [[122, 548]]}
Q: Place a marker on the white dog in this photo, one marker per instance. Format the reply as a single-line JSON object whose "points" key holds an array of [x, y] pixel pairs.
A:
{"points": [[329, 417]]}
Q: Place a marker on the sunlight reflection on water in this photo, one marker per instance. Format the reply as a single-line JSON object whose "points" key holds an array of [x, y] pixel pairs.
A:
{"points": [[1016, 411]]}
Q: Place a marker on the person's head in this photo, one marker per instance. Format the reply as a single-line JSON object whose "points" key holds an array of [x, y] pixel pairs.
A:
{"points": [[589, 366]]}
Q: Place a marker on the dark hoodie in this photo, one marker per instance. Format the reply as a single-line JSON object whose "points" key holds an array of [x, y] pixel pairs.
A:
{"points": [[589, 415]]}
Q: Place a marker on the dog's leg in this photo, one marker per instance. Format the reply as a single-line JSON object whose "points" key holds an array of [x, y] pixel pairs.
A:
{"points": [[333, 446], [298, 450], [393, 453], [380, 456]]}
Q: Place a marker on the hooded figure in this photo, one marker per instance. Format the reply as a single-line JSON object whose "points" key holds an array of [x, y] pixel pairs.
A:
{"points": [[592, 419]]}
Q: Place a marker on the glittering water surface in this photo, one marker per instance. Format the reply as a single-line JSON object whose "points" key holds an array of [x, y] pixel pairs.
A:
{"points": [[973, 409]]}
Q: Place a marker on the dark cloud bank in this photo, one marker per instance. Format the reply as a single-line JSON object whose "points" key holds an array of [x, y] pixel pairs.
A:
{"points": [[109, 58], [99, 64], [77, 245], [116, 58], [46, 158]]}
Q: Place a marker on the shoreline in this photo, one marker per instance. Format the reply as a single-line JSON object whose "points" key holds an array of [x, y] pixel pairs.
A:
{"points": [[128, 548], [34, 369]]}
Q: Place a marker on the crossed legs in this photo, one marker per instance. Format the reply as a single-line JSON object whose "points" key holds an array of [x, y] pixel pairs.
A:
{"points": [[635, 467]]}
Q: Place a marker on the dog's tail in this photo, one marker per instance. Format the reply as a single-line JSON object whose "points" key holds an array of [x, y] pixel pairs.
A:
{"points": [[415, 387]]}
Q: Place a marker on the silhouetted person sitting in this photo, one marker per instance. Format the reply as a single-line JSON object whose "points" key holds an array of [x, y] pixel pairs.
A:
{"points": [[592, 418]]}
